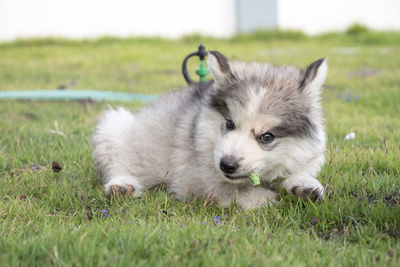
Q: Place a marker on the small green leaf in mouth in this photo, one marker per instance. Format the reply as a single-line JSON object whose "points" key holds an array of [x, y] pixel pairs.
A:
{"points": [[255, 179]]}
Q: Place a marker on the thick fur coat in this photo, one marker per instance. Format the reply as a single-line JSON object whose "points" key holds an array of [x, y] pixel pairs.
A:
{"points": [[205, 140]]}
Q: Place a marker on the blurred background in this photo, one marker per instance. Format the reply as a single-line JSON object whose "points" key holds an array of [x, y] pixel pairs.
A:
{"points": [[177, 18], [138, 46]]}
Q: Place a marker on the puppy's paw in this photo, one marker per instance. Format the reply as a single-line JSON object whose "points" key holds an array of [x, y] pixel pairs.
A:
{"points": [[310, 188], [313, 193], [126, 189], [123, 186]]}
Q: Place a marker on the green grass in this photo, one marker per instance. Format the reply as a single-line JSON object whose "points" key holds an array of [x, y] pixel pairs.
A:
{"points": [[49, 218]]}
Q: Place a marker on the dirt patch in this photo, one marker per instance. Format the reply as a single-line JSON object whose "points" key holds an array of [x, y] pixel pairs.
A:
{"points": [[392, 199], [314, 220], [393, 232], [336, 231]]}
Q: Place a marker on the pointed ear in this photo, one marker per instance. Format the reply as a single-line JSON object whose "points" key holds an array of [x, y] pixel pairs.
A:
{"points": [[219, 66], [314, 78]]}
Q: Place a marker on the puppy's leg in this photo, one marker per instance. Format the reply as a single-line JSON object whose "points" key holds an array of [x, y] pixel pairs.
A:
{"points": [[304, 185], [251, 198], [112, 146], [123, 185]]}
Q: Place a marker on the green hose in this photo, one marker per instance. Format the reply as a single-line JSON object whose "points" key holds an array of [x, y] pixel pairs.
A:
{"points": [[75, 95]]}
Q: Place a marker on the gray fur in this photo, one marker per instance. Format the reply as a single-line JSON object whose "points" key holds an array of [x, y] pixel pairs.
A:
{"points": [[180, 138], [282, 95]]}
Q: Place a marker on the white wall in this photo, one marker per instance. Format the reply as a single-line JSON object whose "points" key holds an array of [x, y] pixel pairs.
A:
{"points": [[174, 18], [254, 15], [316, 16], [94, 18]]}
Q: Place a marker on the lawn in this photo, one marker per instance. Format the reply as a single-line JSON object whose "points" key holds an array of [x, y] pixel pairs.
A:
{"points": [[63, 218]]}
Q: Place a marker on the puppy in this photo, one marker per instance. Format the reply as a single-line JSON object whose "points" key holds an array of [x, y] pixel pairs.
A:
{"points": [[205, 140]]}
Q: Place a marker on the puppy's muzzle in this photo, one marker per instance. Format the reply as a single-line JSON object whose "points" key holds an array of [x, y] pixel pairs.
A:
{"points": [[228, 165]]}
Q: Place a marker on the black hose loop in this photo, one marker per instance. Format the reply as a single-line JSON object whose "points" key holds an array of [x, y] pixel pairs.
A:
{"points": [[201, 53]]}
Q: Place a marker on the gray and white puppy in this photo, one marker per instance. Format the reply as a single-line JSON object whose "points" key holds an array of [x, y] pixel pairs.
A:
{"points": [[205, 140]]}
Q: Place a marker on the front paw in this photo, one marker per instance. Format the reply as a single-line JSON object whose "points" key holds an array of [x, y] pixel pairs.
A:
{"points": [[310, 188]]}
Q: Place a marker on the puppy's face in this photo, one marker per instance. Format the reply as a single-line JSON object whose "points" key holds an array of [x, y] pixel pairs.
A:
{"points": [[267, 119]]}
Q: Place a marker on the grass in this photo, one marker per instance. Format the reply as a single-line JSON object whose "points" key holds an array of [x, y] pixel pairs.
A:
{"points": [[49, 218]]}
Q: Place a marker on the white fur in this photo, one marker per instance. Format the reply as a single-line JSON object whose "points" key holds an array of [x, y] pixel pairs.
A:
{"points": [[156, 145]]}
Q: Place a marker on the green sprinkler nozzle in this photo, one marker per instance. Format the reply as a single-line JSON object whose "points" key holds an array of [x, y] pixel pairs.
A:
{"points": [[202, 72]]}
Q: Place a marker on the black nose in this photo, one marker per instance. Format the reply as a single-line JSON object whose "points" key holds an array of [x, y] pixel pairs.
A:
{"points": [[228, 165]]}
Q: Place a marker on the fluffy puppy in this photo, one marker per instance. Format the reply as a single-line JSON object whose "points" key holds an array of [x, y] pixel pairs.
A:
{"points": [[205, 140]]}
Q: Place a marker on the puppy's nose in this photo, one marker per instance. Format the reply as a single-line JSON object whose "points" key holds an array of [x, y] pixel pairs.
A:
{"points": [[228, 164]]}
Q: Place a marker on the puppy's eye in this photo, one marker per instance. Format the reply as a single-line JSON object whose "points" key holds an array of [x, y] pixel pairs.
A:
{"points": [[230, 125], [266, 138]]}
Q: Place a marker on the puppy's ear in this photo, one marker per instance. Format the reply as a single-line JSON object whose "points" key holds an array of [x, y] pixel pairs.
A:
{"points": [[314, 78], [219, 66]]}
